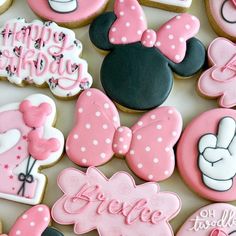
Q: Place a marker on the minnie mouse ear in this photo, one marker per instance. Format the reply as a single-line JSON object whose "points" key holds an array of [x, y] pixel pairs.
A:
{"points": [[99, 30], [51, 232]]}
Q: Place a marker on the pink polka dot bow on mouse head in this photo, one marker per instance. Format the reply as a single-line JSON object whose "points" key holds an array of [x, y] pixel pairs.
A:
{"points": [[131, 26], [147, 146]]}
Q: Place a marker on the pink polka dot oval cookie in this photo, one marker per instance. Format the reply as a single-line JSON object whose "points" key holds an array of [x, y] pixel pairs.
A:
{"points": [[222, 16], [212, 220], [206, 155], [147, 146], [69, 13]]}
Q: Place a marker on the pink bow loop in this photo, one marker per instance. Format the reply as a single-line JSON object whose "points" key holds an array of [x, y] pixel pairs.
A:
{"points": [[218, 232], [147, 146]]}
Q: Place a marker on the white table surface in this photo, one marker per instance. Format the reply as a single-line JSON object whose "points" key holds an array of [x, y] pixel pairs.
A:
{"points": [[183, 96]]}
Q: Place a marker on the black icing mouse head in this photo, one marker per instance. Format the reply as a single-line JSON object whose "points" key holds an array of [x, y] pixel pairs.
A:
{"points": [[138, 71]]}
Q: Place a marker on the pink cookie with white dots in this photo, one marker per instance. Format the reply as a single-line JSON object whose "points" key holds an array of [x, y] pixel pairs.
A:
{"points": [[34, 222], [115, 206], [147, 145]]}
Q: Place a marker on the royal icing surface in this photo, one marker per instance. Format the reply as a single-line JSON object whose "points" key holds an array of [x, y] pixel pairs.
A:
{"points": [[147, 145], [144, 51], [34, 222], [114, 206], [224, 15], [213, 220], [206, 154], [27, 142], [68, 11], [220, 79], [43, 53]]}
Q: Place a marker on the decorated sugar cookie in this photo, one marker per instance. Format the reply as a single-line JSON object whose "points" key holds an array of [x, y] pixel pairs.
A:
{"points": [[222, 16], [28, 142], [114, 206], [206, 154], [69, 13], [4, 5], [212, 220], [34, 222], [147, 146], [220, 80], [173, 5], [138, 72], [43, 54]]}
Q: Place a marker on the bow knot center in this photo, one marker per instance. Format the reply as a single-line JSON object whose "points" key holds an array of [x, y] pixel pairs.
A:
{"points": [[122, 140], [149, 38]]}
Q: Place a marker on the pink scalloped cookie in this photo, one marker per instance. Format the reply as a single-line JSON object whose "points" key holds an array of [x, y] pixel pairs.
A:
{"points": [[219, 81], [206, 154], [213, 220], [173, 5], [222, 16], [34, 222], [4, 5], [114, 206], [28, 142], [147, 145], [69, 13]]}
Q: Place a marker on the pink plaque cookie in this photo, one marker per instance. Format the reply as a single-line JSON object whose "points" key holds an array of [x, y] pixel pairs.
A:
{"points": [[147, 145], [206, 154], [34, 222], [114, 206], [28, 142], [220, 80], [70, 13], [213, 220], [222, 14]]}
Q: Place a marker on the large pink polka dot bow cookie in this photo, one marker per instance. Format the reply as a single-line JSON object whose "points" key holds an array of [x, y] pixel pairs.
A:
{"points": [[147, 145], [28, 142], [34, 222], [115, 206]]}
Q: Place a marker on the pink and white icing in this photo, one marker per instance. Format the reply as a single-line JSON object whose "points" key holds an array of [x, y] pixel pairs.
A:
{"points": [[114, 206], [131, 26], [43, 53], [213, 220], [27, 143], [220, 79], [223, 11], [64, 11], [147, 145]]}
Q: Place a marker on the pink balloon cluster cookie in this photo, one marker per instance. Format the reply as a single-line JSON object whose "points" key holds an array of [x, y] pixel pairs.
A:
{"points": [[220, 80], [206, 154], [69, 13], [28, 142], [114, 206], [212, 220], [147, 145], [34, 222]]}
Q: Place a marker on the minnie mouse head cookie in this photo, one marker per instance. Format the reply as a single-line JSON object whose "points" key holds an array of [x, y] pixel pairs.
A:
{"points": [[169, 5], [147, 146], [69, 13], [206, 154], [219, 80], [138, 72], [43, 54], [34, 222], [4, 5], [28, 142], [212, 220], [115, 206], [222, 16]]}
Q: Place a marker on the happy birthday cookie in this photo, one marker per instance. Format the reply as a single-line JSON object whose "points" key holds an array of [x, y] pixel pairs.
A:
{"points": [[28, 142], [43, 54], [137, 74], [4, 5], [222, 16], [68, 13], [114, 206], [147, 146], [206, 155]]}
